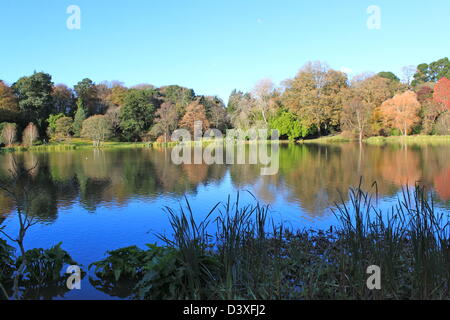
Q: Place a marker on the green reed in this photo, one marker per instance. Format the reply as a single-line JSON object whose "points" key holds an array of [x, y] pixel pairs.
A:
{"points": [[238, 252]]}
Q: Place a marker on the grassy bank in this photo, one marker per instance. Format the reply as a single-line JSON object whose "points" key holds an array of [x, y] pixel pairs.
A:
{"points": [[73, 144], [419, 140], [327, 139], [249, 257]]}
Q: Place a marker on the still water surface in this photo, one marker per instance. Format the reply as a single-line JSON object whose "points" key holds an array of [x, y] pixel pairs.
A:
{"points": [[98, 200]]}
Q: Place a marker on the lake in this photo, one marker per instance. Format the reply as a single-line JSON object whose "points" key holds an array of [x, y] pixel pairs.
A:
{"points": [[98, 200]]}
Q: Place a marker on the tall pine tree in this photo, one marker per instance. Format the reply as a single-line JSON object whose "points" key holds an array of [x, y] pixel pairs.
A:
{"points": [[80, 116]]}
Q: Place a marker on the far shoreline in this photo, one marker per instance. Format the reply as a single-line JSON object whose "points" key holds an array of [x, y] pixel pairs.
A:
{"points": [[77, 144]]}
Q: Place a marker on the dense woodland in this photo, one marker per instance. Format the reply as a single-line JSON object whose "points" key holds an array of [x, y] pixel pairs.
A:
{"points": [[318, 101]]}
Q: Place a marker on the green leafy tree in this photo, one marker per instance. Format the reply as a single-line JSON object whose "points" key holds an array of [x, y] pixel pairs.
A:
{"points": [[389, 75], [51, 129], [88, 92], [80, 116], [288, 125], [136, 114], [35, 97], [97, 128], [181, 97], [432, 72], [63, 127]]}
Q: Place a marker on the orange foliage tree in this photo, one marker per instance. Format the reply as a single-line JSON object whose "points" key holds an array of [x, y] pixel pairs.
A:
{"points": [[401, 112], [442, 92], [194, 112], [8, 100]]}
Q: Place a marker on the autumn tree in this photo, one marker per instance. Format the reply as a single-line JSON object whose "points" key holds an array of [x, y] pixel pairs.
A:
{"points": [[441, 98], [181, 97], [118, 93], [215, 111], [442, 92], [373, 91], [431, 110], [263, 93], [30, 134], [8, 100], [218, 117], [96, 128], [356, 116], [442, 126], [166, 120], [425, 92], [430, 114], [9, 107], [314, 95], [194, 112], [104, 91], [240, 109], [9, 133], [401, 112], [113, 116]]}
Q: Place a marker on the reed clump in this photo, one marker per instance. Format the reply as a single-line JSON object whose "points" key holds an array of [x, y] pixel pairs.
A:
{"points": [[238, 252]]}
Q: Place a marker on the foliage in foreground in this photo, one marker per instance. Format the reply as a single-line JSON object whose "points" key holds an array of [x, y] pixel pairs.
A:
{"points": [[249, 257], [42, 277]]}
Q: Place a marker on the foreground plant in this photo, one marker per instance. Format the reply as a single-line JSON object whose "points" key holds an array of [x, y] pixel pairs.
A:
{"points": [[36, 273], [250, 257]]}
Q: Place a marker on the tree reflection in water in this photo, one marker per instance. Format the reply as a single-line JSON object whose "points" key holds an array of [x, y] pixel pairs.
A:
{"points": [[311, 176]]}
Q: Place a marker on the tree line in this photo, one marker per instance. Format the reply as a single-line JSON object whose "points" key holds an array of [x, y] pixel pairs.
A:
{"points": [[317, 101]]}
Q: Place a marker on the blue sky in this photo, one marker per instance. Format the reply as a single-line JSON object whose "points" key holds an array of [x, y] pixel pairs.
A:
{"points": [[214, 46]]}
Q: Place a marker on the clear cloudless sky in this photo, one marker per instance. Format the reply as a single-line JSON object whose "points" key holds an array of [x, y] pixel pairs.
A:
{"points": [[214, 46]]}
